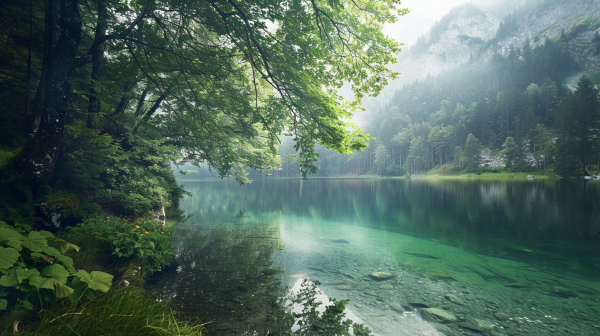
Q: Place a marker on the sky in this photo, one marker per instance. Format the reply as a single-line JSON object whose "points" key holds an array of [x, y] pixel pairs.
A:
{"points": [[423, 13]]}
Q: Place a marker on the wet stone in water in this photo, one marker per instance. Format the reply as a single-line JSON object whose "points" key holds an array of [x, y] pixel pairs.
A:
{"points": [[454, 299], [379, 276], [438, 315]]}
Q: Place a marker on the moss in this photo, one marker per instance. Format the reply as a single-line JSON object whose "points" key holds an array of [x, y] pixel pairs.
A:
{"points": [[63, 203], [133, 276]]}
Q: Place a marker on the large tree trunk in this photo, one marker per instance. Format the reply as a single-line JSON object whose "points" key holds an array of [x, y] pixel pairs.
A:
{"points": [[97, 62], [41, 150]]}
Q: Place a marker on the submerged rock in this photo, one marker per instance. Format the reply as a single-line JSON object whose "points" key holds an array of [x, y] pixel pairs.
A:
{"points": [[398, 308], [439, 277], [438, 315], [454, 299], [501, 316], [379, 276], [477, 325], [341, 241], [563, 292]]}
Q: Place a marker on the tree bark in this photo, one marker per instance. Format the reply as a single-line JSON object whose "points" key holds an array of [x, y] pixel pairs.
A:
{"points": [[97, 62], [41, 150]]}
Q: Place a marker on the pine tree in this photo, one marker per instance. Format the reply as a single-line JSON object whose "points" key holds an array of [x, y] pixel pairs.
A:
{"points": [[472, 153]]}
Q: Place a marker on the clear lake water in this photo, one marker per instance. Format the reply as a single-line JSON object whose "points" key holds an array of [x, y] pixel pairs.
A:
{"points": [[497, 257]]}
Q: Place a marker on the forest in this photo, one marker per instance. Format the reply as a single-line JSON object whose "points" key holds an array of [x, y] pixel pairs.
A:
{"points": [[101, 97], [513, 112]]}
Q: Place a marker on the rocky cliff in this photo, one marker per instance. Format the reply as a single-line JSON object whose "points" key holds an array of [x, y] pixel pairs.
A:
{"points": [[483, 28]]}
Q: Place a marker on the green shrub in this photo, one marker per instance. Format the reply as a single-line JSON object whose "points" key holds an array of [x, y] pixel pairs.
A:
{"points": [[145, 243], [36, 271], [330, 322]]}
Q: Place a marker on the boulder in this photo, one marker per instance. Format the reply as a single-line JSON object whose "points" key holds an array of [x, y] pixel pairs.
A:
{"points": [[437, 315], [380, 276], [477, 325], [454, 299], [132, 277]]}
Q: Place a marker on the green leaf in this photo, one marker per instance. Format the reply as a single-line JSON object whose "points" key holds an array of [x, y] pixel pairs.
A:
{"points": [[46, 234], [36, 242], [9, 280], [66, 261], [48, 283], [11, 238], [3, 304], [56, 272], [31, 275], [96, 280], [8, 257], [79, 288], [28, 305], [65, 245], [62, 290]]}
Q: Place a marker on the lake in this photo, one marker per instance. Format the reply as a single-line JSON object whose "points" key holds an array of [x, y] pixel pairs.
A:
{"points": [[501, 257]]}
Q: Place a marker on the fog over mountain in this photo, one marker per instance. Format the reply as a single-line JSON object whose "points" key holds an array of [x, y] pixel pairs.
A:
{"points": [[480, 29]]}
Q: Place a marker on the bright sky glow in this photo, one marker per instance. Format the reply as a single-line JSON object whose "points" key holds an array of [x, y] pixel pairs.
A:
{"points": [[423, 13]]}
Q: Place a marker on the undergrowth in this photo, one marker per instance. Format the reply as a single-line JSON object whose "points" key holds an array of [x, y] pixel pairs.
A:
{"points": [[126, 311]]}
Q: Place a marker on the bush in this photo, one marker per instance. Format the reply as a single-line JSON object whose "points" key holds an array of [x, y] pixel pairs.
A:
{"points": [[124, 244], [36, 271]]}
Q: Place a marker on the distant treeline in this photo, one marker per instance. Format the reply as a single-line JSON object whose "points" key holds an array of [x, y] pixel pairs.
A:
{"points": [[518, 107]]}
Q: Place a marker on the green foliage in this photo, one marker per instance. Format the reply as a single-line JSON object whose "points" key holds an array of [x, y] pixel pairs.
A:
{"points": [[472, 153], [37, 272], [145, 243], [329, 323], [126, 311], [514, 156]]}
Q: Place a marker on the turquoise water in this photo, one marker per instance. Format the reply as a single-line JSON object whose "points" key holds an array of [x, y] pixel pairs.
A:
{"points": [[498, 258]]}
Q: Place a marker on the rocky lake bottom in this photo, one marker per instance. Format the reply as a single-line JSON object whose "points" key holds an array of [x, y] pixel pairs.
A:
{"points": [[401, 285]]}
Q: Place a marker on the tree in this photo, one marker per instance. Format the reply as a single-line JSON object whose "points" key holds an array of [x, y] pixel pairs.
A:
{"points": [[586, 117], [381, 159], [472, 153], [514, 155], [218, 80]]}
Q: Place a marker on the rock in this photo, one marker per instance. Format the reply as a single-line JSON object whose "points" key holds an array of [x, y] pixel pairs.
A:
{"points": [[437, 315], [396, 307], [454, 299], [439, 277], [380, 276], [417, 302], [563, 292], [132, 277], [501, 316], [477, 325]]}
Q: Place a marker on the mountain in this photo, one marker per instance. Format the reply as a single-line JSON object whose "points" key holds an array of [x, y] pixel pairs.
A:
{"points": [[482, 29]]}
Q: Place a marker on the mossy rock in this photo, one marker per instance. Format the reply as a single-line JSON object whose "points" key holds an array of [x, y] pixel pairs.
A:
{"points": [[63, 203], [132, 277]]}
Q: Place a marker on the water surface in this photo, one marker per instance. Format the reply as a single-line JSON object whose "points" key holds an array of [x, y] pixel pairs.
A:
{"points": [[521, 257]]}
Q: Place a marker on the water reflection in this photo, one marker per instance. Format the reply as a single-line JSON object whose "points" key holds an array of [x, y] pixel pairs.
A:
{"points": [[555, 224], [227, 279], [501, 258]]}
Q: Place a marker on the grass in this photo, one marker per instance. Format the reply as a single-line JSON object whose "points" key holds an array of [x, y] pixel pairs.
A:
{"points": [[126, 311]]}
